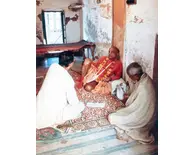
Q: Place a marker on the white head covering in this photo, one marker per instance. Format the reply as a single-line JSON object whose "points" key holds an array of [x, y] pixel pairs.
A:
{"points": [[134, 71]]}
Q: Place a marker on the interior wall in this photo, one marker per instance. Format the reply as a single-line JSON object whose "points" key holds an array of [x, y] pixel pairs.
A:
{"points": [[97, 24], [73, 20], [140, 35]]}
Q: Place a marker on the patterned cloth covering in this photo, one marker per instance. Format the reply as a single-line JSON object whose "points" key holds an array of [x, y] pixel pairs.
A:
{"points": [[90, 116], [49, 134], [111, 103]]}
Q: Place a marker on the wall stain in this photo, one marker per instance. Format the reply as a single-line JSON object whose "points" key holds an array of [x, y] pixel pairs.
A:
{"points": [[40, 17], [137, 20], [39, 32], [38, 2], [68, 19]]}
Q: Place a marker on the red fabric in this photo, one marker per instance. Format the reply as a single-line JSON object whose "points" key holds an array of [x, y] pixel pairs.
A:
{"points": [[100, 60], [117, 71], [79, 82], [114, 71]]}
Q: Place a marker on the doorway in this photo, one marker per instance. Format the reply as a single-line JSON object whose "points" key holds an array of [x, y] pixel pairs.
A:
{"points": [[54, 29]]}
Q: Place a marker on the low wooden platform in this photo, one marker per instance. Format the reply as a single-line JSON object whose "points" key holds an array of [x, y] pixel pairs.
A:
{"points": [[59, 48]]}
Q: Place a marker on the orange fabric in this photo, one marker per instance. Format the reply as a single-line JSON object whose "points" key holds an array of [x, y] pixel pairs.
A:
{"points": [[114, 71], [105, 68], [103, 88]]}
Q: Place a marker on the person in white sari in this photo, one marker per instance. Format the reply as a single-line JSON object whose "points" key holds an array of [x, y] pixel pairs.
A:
{"points": [[137, 119], [57, 100]]}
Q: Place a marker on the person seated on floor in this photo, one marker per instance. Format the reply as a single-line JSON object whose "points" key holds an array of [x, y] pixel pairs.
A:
{"points": [[98, 75], [137, 119], [57, 100]]}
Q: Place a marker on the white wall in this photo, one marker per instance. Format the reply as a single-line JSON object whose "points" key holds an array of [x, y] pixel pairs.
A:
{"points": [[141, 30], [97, 24], [72, 28]]}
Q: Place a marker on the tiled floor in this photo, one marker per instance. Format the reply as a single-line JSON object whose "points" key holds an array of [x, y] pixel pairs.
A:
{"points": [[96, 141]]}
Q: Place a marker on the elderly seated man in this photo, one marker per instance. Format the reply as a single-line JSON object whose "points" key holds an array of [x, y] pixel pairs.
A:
{"points": [[99, 77], [137, 118]]}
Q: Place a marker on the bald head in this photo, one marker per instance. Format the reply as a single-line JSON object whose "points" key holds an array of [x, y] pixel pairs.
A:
{"points": [[113, 53], [134, 71], [115, 48]]}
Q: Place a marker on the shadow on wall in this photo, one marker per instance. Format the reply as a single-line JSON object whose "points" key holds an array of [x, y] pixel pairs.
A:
{"points": [[155, 68], [155, 80]]}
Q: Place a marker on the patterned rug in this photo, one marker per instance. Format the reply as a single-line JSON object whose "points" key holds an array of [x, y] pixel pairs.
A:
{"points": [[47, 134], [90, 118], [111, 102], [69, 127], [39, 81]]}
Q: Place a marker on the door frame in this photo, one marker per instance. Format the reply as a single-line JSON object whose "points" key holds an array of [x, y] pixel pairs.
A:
{"points": [[62, 22]]}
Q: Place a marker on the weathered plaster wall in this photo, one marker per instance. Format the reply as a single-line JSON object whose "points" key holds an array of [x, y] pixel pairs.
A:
{"points": [[72, 19], [140, 35], [97, 24]]}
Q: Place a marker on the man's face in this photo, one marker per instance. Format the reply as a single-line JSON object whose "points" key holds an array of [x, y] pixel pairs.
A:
{"points": [[70, 65], [112, 54], [133, 77]]}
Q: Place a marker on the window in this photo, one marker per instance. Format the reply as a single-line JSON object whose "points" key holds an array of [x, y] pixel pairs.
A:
{"points": [[54, 27]]}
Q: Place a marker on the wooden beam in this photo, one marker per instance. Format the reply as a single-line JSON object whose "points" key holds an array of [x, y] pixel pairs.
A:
{"points": [[119, 22]]}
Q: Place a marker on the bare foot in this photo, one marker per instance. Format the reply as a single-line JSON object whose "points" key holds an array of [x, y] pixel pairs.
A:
{"points": [[63, 126], [123, 137]]}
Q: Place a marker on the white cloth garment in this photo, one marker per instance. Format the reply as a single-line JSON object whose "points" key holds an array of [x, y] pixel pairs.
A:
{"points": [[138, 117], [119, 88], [57, 100]]}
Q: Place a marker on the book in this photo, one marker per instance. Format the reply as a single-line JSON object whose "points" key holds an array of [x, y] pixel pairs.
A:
{"points": [[95, 105]]}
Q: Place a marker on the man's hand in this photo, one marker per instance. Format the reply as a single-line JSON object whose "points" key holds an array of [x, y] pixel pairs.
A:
{"points": [[127, 83], [96, 57], [126, 96], [107, 79]]}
